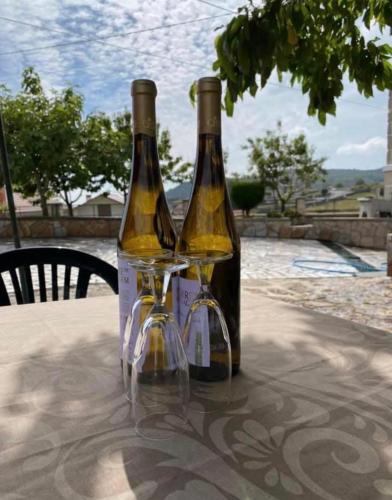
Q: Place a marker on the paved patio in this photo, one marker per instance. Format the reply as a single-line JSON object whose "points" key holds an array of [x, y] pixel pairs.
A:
{"points": [[262, 258], [268, 270]]}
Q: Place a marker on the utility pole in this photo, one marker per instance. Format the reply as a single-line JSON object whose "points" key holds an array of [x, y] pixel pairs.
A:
{"points": [[11, 205], [8, 184]]}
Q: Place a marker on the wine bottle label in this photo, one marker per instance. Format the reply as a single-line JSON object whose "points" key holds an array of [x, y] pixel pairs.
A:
{"points": [[127, 290], [198, 346], [175, 283]]}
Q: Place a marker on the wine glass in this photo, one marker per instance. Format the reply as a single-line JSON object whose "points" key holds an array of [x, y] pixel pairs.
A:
{"points": [[206, 339], [160, 374], [140, 308]]}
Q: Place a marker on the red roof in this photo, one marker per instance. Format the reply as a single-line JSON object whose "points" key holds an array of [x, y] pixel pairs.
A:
{"points": [[24, 204]]}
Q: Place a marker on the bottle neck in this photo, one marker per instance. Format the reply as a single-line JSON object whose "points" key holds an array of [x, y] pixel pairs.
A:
{"points": [[209, 149], [145, 162], [209, 146]]}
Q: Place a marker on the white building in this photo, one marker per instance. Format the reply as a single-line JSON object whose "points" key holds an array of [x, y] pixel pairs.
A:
{"points": [[382, 205], [102, 205], [29, 207]]}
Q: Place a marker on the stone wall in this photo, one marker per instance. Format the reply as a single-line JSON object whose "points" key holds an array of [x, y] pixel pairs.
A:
{"points": [[368, 233], [62, 227]]}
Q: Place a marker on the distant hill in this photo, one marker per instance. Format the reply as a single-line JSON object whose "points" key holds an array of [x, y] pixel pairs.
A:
{"points": [[180, 192], [348, 177], [183, 191]]}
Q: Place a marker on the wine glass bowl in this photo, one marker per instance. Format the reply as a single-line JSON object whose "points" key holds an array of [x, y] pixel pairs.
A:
{"points": [[140, 308]]}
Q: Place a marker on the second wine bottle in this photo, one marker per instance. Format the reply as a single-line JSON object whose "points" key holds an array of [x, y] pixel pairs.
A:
{"points": [[209, 225]]}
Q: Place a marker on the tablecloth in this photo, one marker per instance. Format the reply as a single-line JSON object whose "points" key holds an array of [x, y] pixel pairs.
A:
{"points": [[310, 417]]}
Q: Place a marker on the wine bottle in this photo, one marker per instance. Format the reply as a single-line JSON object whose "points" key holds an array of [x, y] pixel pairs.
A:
{"points": [[209, 222], [146, 223]]}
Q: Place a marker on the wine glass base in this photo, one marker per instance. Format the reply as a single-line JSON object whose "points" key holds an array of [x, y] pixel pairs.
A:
{"points": [[208, 397]]}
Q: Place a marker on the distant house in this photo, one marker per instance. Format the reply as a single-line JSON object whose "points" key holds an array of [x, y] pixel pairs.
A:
{"points": [[28, 207], [102, 205]]}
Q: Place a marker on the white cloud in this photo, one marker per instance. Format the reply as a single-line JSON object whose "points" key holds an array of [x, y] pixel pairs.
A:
{"points": [[375, 143], [174, 58]]}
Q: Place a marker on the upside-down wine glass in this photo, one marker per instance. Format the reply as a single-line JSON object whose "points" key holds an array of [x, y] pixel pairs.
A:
{"points": [[160, 374], [142, 305], [206, 340]]}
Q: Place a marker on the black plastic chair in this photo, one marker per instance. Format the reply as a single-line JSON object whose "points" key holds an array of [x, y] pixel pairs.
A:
{"points": [[24, 258]]}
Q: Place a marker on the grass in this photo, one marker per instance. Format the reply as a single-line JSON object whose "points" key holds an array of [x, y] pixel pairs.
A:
{"points": [[348, 204]]}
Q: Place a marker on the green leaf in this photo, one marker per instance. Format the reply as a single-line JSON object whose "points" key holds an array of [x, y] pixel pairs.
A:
{"points": [[253, 89], [235, 25], [192, 93], [243, 58], [223, 58], [287, 37], [322, 117], [229, 105]]}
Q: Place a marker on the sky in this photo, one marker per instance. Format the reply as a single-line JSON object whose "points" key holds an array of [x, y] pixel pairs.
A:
{"points": [[136, 45]]}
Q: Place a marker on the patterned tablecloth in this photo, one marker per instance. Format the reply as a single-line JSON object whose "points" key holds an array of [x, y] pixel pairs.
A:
{"points": [[311, 416]]}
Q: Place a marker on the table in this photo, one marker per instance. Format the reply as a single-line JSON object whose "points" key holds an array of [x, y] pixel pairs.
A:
{"points": [[310, 418]]}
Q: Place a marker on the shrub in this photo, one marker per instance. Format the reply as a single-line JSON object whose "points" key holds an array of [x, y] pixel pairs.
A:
{"points": [[274, 214], [247, 195], [291, 213]]}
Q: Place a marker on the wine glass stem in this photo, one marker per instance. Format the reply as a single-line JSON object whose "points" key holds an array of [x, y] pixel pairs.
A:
{"points": [[160, 284], [146, 281], [205, 274]]}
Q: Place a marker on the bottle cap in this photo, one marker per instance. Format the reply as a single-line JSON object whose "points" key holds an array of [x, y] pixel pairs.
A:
{"points": [[143, 87], [209, 84], [209, 91], [143, 107]]}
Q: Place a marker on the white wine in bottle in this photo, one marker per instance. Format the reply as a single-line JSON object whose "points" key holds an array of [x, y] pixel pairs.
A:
{"points": [[146, 223], [209, 226]]}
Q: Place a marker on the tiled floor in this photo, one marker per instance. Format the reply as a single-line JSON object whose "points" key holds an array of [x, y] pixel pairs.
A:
{"points": [[261, 258], [271, 258], [268, 269]]}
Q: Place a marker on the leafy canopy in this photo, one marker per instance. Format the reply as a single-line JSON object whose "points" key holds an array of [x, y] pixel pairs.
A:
{"points": [[247, 194], [286, 166], [41, 133], [54, 149], [317, 42], [108, 144]]}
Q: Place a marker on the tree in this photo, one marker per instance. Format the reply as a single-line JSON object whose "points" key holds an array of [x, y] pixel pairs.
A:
{"points": [[70, 173], [317, 42], [247, 194], [105, 151], [360, 182], [324, 192], [172, 168], [111, 144], [286, 166], [339, 185], [41, 132], [54, 150]]}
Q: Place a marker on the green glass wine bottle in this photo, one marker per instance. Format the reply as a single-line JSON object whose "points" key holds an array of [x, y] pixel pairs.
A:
{"points": [[209, 223], [146, 223]]}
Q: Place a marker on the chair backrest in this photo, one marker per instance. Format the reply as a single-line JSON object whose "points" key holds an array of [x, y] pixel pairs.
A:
{"points": [[23, 259]]}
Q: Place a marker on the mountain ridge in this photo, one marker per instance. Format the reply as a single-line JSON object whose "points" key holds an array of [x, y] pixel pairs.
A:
{"points": [[346, 176]]}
